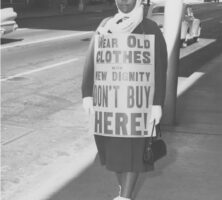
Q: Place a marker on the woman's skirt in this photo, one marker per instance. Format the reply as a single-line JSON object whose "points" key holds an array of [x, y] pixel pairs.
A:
{"points": [[122, 154]]}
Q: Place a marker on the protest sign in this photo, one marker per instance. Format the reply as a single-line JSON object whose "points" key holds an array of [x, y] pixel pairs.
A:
{"points": [[123, 85]]}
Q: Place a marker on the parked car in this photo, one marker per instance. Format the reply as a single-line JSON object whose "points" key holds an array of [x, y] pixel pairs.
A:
{"points": [[8, 23], [190, 27]]}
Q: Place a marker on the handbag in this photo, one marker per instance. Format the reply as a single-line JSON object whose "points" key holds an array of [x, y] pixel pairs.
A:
{"points": [[155, 148]]}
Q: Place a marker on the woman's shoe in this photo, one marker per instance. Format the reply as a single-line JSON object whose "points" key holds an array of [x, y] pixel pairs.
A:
{"points": [[119, 190], [121, 198]]}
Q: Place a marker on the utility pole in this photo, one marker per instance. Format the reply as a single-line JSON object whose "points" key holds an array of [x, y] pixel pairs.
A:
{"points": [[172, 28], [82, 5]]}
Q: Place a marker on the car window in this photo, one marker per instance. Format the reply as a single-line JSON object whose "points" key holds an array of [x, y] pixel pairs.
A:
{"points": [[159, 9], [189, 12]]}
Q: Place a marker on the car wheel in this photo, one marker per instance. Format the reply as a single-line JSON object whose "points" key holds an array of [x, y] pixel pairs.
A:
{"points": [[183, 43], [187, 38], [2, 32], [196, 38]]}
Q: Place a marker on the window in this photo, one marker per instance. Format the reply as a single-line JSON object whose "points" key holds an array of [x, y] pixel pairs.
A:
{"points": [[158, 9]]}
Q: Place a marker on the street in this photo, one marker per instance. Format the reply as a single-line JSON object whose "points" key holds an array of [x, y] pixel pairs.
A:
{"points": [[42, 63]]}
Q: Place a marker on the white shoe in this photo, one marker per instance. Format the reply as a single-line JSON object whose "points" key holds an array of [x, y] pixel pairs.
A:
{"points": [[121, 198], [119, 190]]}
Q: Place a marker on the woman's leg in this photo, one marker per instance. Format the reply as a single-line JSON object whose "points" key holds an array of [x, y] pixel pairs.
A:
{"points": [[119, 176], [128, 184]]}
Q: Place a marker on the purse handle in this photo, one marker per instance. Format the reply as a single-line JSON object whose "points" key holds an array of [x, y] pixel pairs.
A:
{"points": [[154, 125], [158, 132]]}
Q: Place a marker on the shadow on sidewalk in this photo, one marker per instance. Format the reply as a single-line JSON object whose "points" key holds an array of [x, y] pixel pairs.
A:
{"points": [[6, 40], [97, 183], [196, 60], [190, 169]]}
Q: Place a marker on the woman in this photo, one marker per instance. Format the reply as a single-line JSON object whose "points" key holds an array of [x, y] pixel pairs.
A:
{"points": [[124, 156]]}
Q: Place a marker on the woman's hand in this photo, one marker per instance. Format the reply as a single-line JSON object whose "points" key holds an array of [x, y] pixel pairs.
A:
{"points": [[88, 105], [156, 114]]}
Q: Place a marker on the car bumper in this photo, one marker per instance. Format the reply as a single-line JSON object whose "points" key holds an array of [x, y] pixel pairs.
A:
{"points": [[8, 27]]}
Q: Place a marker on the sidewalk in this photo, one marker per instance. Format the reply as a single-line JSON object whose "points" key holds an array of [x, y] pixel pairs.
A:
{"points": [[192, 168], [69, 10], [190, 171]]}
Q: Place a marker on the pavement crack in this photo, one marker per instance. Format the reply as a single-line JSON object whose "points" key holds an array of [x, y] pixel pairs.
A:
{"points": [[16, 138]]}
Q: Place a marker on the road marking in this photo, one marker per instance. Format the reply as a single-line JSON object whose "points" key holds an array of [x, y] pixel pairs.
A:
{"points": [[39, 69], [16, 138], [46, 40], [22, 29]]}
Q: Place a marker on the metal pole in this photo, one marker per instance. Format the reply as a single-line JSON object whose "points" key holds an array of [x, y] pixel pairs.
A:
{"points": [[82, 5], [172, 27]]}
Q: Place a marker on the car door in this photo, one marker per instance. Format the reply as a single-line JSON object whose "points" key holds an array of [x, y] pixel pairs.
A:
{"points": [[188, 17]]}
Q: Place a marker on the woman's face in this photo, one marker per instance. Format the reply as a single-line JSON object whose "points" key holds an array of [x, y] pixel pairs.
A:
{"points": [[126, 6]]}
